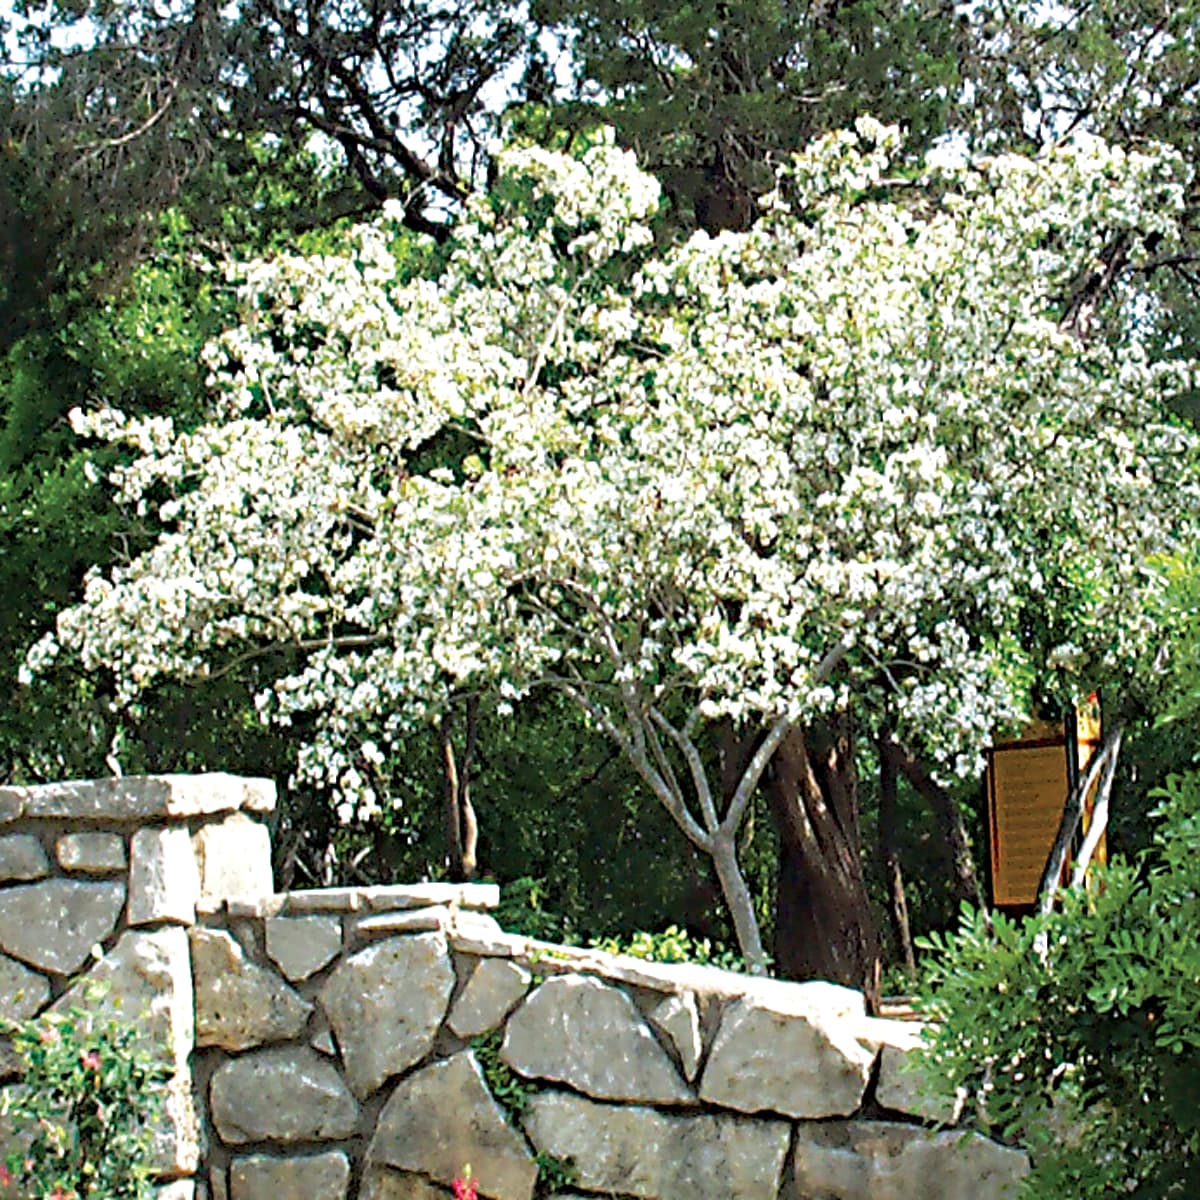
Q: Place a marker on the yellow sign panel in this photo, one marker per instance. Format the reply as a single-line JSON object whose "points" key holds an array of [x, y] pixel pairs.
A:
{"points": [[1028, 781]]}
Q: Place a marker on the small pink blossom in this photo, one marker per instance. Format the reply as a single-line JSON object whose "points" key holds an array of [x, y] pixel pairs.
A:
{"points": [[6, 1176], [90, 1060], [466, 1188]]}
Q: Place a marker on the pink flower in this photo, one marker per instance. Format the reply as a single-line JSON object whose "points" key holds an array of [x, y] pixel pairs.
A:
{"points": [[6, 1176], [466, 1188], [90, 1060]]}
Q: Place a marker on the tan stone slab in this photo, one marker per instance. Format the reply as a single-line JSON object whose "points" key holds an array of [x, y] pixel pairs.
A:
{"points": [[878, 1160], [634, 1151], [301, 946], [307, 1177], [415, 920], [164, 881], [441, 1118], [379, 1183], [495, 988], [92, 853], [233, 857], [398, 896]]}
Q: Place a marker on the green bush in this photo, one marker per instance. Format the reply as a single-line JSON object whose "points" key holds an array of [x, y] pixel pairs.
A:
{"points": [[1089, 1052], [84, 1111], [672, 945]]}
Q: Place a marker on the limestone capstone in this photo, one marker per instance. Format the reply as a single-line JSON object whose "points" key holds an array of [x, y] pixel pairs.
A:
{"points": [[385, 1005], [636, 1151], [233, 858], [574, 1029], [53, 925], [282, 1094], [441, 1118], [238, 1003]]}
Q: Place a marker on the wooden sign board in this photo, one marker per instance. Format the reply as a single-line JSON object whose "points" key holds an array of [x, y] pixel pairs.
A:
{"points": [[1028, 781]]}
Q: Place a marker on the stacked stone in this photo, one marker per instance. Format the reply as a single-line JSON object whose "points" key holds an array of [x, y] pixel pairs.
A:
{"points": [[339, 1060], [98, 884]]}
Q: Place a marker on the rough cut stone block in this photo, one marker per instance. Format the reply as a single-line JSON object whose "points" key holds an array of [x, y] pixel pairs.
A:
{"points": [[285, 1094], [576, 1030], [238, 1003], [177, 1189], [22, 992], [22, 857], [146, 977], [323, 1044], [12, 804], [397, 896], [311, 1177], [95, 853], [53, 925], [441, 1118], [164, 883], [495, 988], [904, 1090], [385, 1005], [381, 1184], [636, 1151], [875, 1160], [234, 858], [802, 1066], [145, 797], [679, 1019], [301, 946]]}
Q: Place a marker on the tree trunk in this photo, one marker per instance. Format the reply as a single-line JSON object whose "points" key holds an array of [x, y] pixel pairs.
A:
{"points": [[889, 860], [824, 925], [462, 827]]}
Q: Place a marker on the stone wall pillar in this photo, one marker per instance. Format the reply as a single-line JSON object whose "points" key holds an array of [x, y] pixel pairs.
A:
{"points": [[100, 881]]}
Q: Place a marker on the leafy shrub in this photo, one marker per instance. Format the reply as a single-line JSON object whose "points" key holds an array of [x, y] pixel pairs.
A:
{"points": [[84, 1110], [1090, 1053], [672, 945]]}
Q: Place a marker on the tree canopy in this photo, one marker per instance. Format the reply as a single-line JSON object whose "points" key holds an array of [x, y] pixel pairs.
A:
{"points": [[859, 459]]}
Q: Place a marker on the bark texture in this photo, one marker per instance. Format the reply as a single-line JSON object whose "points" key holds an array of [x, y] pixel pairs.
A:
{"points": [[824, 924]]}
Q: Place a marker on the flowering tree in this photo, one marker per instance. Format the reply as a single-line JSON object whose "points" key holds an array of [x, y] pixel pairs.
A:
{"points": [[858, 464]]}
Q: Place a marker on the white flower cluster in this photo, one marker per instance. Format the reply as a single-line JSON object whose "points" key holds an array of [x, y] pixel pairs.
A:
{"points": [[678, 481]]}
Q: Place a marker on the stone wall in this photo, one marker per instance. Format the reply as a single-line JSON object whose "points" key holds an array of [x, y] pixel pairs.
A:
{"points": [[370, 1043]]}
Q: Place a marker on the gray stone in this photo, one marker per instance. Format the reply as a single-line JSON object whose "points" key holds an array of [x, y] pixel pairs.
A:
{"points": [[904, 1089], [96, 853], [495, 988], [146, 978], [802, 1066], [311, 1177], [53, 925], [441, 1118], [640, 1152], [233, 857], [301, 946], [164, 883], [385, 1005], [22, 992], [284, 1094], [381, 1184], [679, 1019], [218, 1183], [323, 1044], [238, 1003], [875, 1160], [576, 1030], [22, 857], [145, 797]]}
